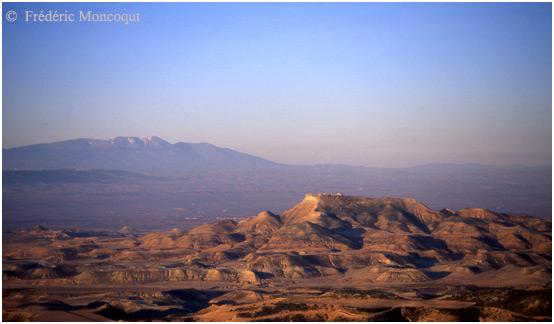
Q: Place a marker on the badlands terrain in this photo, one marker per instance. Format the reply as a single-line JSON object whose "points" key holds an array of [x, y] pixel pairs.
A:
{"points": [[329, 258]]}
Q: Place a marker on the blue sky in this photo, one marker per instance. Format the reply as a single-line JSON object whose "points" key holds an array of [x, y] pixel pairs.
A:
{"points": [[376, 84]]}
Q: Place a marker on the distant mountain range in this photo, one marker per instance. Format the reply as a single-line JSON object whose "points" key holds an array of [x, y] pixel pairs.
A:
{"points": [[154, 155], [135, 154], [204, 169]]}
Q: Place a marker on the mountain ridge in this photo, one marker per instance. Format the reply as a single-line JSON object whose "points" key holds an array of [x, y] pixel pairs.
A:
{"points": [[246, 178], [134, 154], [199, 156]]}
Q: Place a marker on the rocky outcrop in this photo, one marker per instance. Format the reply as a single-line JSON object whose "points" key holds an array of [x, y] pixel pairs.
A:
{"points": [[381, 240]]}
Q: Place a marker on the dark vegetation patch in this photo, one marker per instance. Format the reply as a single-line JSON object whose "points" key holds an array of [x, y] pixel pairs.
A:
{"points": [[358, 293], [468, 314], [276, 309], [528, 302], [295, 318]]}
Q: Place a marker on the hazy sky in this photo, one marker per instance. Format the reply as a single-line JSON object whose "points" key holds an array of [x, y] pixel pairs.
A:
{"points": [[393, 84]]}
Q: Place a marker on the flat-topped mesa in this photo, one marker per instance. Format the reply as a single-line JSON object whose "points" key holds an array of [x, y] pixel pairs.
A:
{"points": [[338, 211], [316, 196]]}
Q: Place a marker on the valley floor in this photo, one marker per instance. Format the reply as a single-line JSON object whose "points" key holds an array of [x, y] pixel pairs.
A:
{"points": [[300, 301]]}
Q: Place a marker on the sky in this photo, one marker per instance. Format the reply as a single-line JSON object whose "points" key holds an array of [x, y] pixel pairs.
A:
{"points": [[374, 84]]}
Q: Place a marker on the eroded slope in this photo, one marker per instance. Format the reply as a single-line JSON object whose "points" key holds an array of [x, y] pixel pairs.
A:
{"points": [[326, 240]]}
